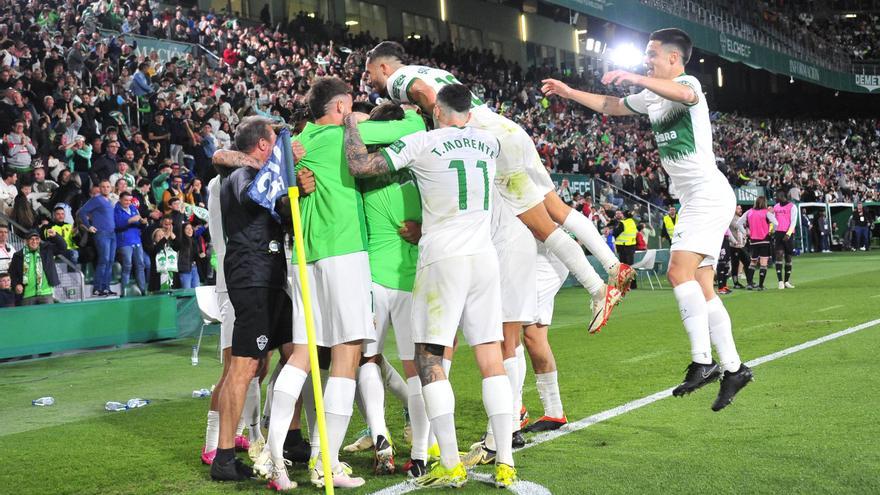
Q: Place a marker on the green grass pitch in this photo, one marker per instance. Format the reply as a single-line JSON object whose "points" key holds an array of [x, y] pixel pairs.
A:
{"points": [[808, 424]]}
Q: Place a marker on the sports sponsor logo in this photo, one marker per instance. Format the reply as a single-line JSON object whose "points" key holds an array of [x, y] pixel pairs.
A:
{"points": [[397, 146], [732, 46], [799, 68], [868, 81], [663, 137], [262, 342]]}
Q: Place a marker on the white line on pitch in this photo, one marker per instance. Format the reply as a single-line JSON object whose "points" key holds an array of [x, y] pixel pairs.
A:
{"points": [[829, 308], [406, 487], [875, 296]]}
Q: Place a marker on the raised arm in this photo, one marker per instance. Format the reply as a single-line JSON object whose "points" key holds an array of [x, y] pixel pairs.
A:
{"points": [[234, 159], [609, 105], [669, 89], [360, 162]]}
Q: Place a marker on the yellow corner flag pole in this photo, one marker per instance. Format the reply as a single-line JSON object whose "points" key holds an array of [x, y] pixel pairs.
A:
{"points": [[293, 195]]}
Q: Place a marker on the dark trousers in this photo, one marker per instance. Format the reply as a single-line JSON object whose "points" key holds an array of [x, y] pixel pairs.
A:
{"points": [[627, 255], [37, 300]]}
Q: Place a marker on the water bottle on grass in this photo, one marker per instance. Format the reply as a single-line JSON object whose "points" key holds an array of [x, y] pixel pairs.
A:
{"points": [[115, 406], [43, 401]]}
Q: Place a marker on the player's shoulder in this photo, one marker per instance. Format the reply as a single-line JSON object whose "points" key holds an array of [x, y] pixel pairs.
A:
{"points": [[689, 80]]}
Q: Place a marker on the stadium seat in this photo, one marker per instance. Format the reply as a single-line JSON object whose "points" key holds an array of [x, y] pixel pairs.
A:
{"points": [[647, 266]]}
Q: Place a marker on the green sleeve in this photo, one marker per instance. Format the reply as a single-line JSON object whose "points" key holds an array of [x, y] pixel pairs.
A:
{"points": [[160, 179], [390, 131]]}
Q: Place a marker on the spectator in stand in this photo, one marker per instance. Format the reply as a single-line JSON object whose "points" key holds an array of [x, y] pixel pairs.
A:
{"points": [[142, 199], [159, 136], [189, 251], [194, 195], [20, 150], [159, 184], [669, 221], [175, 191], [7, 297], [163, 258], [97, 216], [23, 212], [8, 190], [642, 238], [6, 249], [33, 269], [43, 189], [79, 159], [66, 231], [823, 233], [105, 164], [140, 83], [122, 173], [129, 225], [564, 192]]}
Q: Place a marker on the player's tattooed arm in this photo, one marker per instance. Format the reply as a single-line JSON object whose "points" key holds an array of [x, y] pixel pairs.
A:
{"points": [[429, 361], [234, 159], [361, 163]]}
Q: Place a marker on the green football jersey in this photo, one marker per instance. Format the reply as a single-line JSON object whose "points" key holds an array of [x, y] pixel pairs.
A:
{"points": [[388, 201], [333, 216]]}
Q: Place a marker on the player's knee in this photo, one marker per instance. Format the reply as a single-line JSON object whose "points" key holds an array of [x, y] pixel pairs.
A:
{"points": [[677, 275]]}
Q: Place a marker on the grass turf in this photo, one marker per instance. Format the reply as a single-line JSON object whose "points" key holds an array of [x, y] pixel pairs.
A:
{"points": [[805, 425]]}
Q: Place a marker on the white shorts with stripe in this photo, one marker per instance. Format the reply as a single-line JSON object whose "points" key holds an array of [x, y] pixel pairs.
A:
{"points": [[392, 308]]}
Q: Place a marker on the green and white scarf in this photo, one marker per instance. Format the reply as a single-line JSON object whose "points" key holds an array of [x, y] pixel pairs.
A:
{"points": [[32, 256]]}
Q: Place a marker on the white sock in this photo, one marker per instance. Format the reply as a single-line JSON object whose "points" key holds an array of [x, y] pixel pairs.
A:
{"points": [[371, 389], [395, 383], [497, 398], [583, 228], [311, 414], [253, 415], [572, 256], [287, 389], [270, 388], [548, 390], [511, 368], [447, 367], [418, 418], [695, 316], [721, 333], [440, 406], [212, 433], [242, 420], [518, 390], [338, 404]]}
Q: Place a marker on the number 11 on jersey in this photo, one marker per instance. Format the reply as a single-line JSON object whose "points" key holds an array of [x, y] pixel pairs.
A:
{"points": [[459, 166]]}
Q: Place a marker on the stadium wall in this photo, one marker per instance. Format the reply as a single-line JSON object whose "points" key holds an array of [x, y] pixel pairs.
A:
{"points": [[39, 329]]}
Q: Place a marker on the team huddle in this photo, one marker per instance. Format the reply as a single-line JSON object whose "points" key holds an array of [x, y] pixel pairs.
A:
{"points": [[432, 232]]}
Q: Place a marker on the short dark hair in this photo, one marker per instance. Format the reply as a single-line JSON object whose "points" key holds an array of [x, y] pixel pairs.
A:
{"points": [[5, 274], [322, 92], [144, 182], [250, 131], [677, 38], [390, 49], [126, 193], [387, 111], [456, 97], [173, 200]]}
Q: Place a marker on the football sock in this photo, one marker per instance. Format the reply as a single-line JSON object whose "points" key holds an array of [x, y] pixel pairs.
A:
{"points": [[253, 414], [270, 388], [418, 418], [440, 406], [583, 228], [447, 367], [763, 275], [548, 391], [497, 398], [224, 455], [787, 272], [395, 383], [721, 334], [287, 389], [518, 388], [212, 433], [338, 402], [370, 384], [694, 315], [750, 275], [572, 256], [779, 272], [311, 414], [511, 368]]}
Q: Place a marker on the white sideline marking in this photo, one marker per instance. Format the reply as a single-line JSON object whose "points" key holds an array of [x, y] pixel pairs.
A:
{"points": [[829, 308], [875, 296], [406, 487]]}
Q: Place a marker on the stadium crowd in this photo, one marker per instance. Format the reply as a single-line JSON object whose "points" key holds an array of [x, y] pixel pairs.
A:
{"points": [[110, 147]]}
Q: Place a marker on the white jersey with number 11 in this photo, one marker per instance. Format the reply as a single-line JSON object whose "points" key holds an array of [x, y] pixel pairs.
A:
{"points": [[454, 170]]}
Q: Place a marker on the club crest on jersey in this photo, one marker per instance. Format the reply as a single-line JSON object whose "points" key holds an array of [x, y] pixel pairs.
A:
{"points": [[395, 86], [262, 341]]}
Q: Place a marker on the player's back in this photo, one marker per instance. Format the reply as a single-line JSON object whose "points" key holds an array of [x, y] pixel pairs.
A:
{"points": [[454, 173], [400, 81]]}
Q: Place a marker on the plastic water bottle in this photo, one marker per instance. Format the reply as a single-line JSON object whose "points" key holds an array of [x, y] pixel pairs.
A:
{"points": [[135, 403], [43, 401], [115, 406], [201, 393], [195, 356]]}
